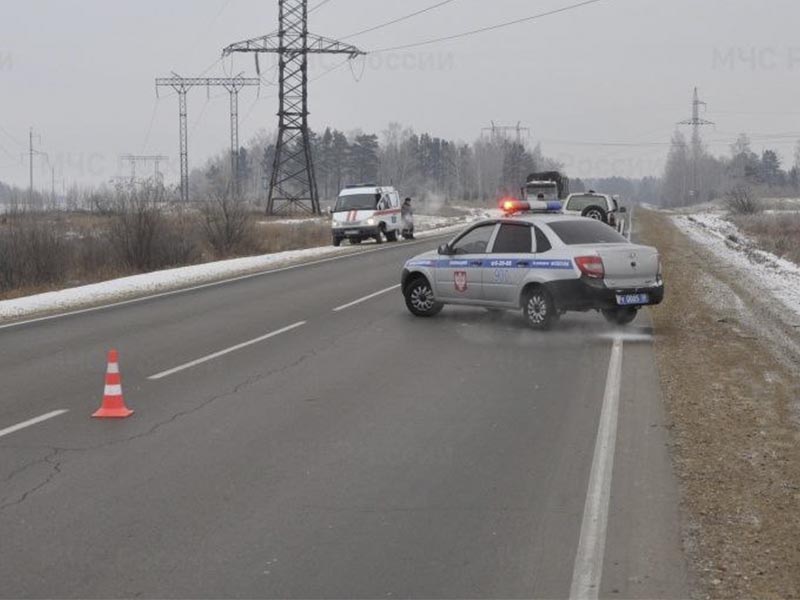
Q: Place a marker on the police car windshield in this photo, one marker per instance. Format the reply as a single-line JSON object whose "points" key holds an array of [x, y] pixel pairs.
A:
{"points": [[576, 233], [357, 202]]}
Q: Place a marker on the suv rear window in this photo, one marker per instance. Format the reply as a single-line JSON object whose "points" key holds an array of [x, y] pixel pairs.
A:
{"points": [[575, 233], [578, 203]]}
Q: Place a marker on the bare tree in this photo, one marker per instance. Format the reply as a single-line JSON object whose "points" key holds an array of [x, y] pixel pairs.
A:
{"points": [[740, 200], [137, 220], [226, 222]]}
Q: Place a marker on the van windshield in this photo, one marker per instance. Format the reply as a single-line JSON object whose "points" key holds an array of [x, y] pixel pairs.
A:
{"points": [[357, 202]]}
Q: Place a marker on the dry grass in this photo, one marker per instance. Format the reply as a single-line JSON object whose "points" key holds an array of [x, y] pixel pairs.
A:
{"points": [[279, 237], [730, 401], [41, 252], [776, 233]]}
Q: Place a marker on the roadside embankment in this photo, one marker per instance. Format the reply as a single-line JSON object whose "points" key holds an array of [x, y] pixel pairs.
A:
{"points": [[731, 377]]}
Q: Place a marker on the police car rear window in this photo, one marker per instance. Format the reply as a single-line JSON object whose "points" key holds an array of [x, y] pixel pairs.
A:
{"points": [[513, 239], [575, 233]]}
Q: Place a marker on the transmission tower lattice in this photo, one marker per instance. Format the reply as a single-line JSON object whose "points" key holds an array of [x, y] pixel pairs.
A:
{"points": [[134, 159], [696, 122], [182, 85], [499, 131], [293, 185]]}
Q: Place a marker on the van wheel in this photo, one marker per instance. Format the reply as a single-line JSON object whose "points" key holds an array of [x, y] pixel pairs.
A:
{"points": [[419, 298], [379, 236], [391, 235], [620, 316], [539, 309]]}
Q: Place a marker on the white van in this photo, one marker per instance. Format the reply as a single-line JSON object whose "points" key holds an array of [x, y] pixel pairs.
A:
{"points": [[365, 212]]}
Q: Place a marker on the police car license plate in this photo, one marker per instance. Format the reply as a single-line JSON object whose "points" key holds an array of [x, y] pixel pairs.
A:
{"points": [[351, 232], [632, 299]]}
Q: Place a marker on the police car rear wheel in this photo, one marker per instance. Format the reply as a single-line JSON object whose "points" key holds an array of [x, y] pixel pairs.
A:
{"points": [[419, 298], [620, 316], [539, 309]]}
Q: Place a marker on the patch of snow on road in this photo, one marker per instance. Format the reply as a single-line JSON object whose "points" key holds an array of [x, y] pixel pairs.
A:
{"points": [[780, 277]]}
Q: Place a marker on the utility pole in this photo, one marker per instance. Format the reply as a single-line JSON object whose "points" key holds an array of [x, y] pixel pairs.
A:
{"points": [[30, 161], [31, 153], [182, 85], [293, 184], [696, 122]]}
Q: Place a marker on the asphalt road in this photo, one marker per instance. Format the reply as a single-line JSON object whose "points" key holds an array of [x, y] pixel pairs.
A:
{"points": [[363, 453]]}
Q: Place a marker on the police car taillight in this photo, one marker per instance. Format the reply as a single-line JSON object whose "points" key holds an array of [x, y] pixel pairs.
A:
{"points": [[591, 266]]}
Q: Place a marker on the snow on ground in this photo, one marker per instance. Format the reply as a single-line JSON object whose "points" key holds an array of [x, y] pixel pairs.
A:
{"points": [[159, 282], [297, 221], [778, 276]]}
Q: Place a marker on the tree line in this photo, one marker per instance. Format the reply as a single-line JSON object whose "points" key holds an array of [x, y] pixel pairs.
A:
{"points": [[693, 175], [418, 164]]}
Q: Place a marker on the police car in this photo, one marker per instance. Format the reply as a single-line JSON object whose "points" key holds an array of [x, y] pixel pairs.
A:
{"points": [[544, 263]]}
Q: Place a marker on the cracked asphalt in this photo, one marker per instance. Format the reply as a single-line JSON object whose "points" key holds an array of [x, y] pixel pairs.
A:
{"points": [[365, 454]]}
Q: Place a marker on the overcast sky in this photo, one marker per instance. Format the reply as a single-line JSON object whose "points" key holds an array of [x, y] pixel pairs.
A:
{"points": [[589, 83]]}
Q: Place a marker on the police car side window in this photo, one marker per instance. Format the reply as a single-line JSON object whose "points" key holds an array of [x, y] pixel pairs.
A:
{"points": [[474, 241], [513, 239], [542, 243]]}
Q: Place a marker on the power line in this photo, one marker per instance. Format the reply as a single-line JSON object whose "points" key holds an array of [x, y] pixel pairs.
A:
{"points": [[398, 20], [320, 5], [489, 28]]}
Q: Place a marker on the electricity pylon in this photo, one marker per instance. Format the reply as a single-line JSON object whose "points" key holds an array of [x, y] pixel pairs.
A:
{"points": [[134, 159], [182, 85], [696, 122], [293, 183]]}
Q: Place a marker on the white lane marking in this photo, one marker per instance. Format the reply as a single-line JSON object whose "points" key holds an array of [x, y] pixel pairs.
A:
{"points": [[588, 568], [630, 224], [205, 359], [627, 337], [365, 298], [29, 422], [81, 311]]}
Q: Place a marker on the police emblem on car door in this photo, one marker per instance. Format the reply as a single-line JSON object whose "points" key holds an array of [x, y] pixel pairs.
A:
{"points": [[459, 272], [460, 281]]}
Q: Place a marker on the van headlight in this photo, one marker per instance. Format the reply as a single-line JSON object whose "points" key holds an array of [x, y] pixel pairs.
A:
{"points": [[370, 221]]}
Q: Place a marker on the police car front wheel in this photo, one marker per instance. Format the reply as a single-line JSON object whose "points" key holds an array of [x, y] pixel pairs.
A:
{"points": [[539, 309], [419, 298]]}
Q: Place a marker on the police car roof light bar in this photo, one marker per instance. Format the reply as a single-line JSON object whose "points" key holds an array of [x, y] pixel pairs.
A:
{"points": [[512, 206]]}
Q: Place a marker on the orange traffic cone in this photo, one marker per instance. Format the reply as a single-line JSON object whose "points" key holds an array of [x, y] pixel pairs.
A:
{"points": [[113, 406]]}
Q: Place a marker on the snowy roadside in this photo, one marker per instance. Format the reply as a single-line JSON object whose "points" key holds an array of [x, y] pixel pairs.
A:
{"points": [[170, 280], [770, 273], [727, 348]]}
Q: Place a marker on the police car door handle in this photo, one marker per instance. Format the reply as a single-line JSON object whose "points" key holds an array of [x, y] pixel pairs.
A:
{"points": [[522, 263], [475, 263]]}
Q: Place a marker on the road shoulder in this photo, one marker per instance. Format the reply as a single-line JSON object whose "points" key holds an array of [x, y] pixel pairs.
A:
{"points": [[730, 387]]}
